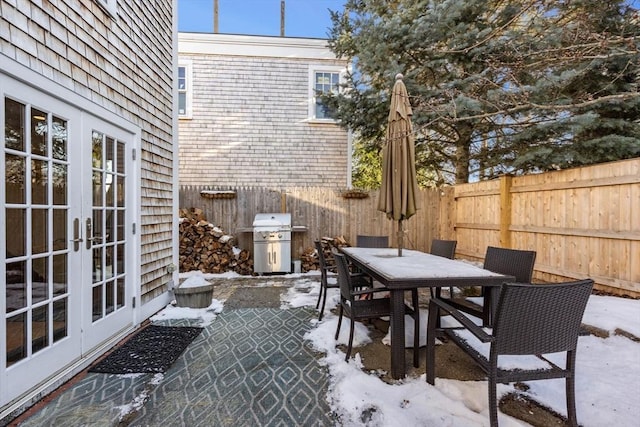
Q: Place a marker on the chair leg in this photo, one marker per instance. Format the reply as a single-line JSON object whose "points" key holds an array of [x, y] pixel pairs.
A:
{"points": [[324, 303], [416, 326], [493, 404], [339, 323], [319, 295], [431, 344], [350, 346], [570, 385]]}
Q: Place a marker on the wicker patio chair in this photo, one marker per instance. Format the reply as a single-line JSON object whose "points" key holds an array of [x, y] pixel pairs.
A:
{"points": [[512, 262], [530, 320], [445, 249], [363, 241], [357, 308], [326, 272], [328, 276]]}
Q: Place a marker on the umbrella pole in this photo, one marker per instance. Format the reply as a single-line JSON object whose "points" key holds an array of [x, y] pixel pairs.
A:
{"points": [[400, 237]]}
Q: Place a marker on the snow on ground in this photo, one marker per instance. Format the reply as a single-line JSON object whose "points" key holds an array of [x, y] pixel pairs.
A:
{"points": [[607, 373]]}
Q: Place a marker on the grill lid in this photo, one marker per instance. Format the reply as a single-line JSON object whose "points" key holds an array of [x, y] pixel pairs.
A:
{"points": [[272, 221]]}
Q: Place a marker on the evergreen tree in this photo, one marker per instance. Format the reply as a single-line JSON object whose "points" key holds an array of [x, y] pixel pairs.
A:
{"points": [[496, 86]]}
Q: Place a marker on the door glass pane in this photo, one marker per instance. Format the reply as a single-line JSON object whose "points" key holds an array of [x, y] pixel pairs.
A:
{"points": [[97, 303], [59, 184], [38, 132], [110, 296], [16, 338], [16, 297], [120, 165], [120, 258], [109, 229], [39, 328], [98, 229], [59, 229], [59, 319], [97, 188], [121, 190], [59, 138], [120, 290], [97, 150], [15, 232], [109, 155], [60, 276], [109, 189], [39, 280], [39, 231], [120, 226], [14, 124], [14, 178], [109, 258], [39, 182], [97, 265]]}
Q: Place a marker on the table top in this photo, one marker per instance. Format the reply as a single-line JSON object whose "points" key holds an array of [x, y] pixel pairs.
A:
{"points": [[417, 269]]}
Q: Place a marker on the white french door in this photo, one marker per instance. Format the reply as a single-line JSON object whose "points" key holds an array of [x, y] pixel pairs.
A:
{"points": [[104, 228], [40, 320], [66, 286]]}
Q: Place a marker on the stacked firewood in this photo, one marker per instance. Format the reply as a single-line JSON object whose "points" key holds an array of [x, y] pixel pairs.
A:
{"points": [[309, 260], [207, 248], [309, 257]]}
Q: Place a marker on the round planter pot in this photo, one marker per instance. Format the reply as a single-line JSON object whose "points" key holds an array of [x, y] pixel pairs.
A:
{"points": [[194, 296]]}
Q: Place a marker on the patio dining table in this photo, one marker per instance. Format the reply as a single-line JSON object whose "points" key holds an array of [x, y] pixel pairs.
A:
{"points": [[412, 270]]}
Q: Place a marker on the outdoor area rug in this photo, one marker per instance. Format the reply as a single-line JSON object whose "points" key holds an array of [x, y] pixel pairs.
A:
{"points": [[252, 367], [152, 350]]}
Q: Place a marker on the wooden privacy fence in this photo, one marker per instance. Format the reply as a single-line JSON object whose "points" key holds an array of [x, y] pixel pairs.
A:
{"points": [[582, 222], [322, 211]]}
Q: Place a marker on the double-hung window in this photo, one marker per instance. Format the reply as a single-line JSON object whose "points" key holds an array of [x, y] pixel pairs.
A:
{"points": [[324, 80], [185, 93]]}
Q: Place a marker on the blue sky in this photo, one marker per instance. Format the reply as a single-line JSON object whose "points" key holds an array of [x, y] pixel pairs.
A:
{"points": [[303, 18]]}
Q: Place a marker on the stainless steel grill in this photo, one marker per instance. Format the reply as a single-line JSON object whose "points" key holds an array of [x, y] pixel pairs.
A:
{"points": [[272, 243]]}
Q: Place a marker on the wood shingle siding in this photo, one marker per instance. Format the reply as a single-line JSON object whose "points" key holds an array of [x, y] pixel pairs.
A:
{"points": [[250, 121], [94, 82], [123, 64]]}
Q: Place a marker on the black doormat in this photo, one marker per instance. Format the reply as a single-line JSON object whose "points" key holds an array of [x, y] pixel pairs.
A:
{"points": [[152, 350]]}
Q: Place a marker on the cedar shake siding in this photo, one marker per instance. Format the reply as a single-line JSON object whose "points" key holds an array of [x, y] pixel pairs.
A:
{"points": [[124, 64], [249, 121]]}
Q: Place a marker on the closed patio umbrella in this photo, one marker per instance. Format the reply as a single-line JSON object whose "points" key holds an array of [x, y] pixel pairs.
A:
{"points": [[399, 185]]}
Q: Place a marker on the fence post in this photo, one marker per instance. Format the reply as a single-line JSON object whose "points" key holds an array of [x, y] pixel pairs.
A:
{"points": [[505, 211]]}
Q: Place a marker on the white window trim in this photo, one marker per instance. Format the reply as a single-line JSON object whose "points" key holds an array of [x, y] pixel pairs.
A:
{"points": [[313, 69], [188, 66], [110, 6]]}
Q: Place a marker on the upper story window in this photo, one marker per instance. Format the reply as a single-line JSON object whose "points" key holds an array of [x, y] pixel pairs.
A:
{"points": [[323, 80], [185, 93]]}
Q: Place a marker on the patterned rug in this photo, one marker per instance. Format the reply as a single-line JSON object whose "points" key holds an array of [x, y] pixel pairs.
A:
{"points": [[152, 350], [252, 368]]}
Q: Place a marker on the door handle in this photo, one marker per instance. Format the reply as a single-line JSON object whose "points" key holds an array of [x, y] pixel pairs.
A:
{"points": [[77, 235], [90, 236]]}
